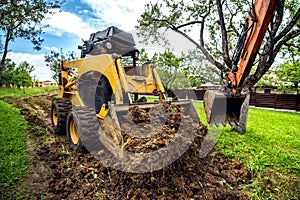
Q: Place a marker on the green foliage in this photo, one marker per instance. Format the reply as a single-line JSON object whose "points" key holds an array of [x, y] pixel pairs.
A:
{"points": [[22, 75], [198, 70], [269, 80], [7, 73], [19, 19], [16, 76], [289, 72], [187, 16], [143, 56], [218, 24], [13, 154], [54, 58], [169, 68], [182, 72]]}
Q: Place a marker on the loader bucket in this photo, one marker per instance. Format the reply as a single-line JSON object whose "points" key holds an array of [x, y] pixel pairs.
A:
{"points": [[119, 113], [221, 108], [146, 137]]}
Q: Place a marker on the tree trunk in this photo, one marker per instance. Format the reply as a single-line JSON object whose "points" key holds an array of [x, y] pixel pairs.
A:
{"points": [[5, 50]]}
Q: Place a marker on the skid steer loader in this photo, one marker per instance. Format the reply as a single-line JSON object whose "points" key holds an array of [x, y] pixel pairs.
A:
{"points": [[103, 84]]}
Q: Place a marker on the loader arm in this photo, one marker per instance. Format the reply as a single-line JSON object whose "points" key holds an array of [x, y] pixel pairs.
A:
{"points": [[223, 107]]}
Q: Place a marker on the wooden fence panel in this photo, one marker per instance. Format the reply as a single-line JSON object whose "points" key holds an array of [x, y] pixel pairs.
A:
{"points": [[277, 101], [298, 103], [286, 101], [252, 99], [265, 100]]}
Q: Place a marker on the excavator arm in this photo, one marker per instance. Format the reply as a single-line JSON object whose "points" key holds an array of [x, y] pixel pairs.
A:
{"points": [[257, 25], [223, 107]]}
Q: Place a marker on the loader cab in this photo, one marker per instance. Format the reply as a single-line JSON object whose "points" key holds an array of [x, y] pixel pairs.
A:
{"points": [[109, 41], [141, 78]]}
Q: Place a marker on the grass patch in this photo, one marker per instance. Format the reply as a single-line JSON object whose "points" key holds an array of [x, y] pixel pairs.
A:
{"points": [[270, 148], [13, 154], [19, 92]]}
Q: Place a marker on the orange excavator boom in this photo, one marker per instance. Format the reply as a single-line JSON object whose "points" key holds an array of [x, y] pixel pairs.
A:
{"points": [[223, 107], [258, 21]]}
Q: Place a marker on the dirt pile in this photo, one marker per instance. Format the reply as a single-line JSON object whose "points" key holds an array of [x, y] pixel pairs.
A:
{"points": [[71, 175], [156, 128]]}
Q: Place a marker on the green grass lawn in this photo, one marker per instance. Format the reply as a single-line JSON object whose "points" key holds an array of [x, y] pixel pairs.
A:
{"points": [[13, 154], [270, 148], [19, 92]]}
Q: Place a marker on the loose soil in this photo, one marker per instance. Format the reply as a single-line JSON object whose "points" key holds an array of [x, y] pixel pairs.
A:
{"points": [[59, 173]]}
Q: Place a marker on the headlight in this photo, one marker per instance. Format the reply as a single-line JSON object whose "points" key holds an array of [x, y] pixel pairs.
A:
{"points": [[108, 45]]}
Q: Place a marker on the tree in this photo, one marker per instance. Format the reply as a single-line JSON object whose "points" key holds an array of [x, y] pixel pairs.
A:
{"points": [[20, 19], [220, 20], [168, 66], [290, 72], [12, 76], [217, 22], [177, 72], [21, 77], [53, 59], [198, 70], [269, 80], [6, 76]]}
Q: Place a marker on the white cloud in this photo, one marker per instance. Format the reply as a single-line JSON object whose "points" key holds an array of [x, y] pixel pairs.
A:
{"points": [[42, 72], [66, 22], [51, 48], [123, 14], [84, 11], [120, 13]]}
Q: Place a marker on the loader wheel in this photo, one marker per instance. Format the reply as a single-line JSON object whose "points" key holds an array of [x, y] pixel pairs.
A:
{"points": [[59, 112], [81, 122]]}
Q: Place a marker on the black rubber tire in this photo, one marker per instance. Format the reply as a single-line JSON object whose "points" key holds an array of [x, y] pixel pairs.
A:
{"points": [[82, 123], [60, 109]]}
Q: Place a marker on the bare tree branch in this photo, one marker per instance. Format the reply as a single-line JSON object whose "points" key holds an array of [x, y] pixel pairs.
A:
{"points": [[287, 37], [199, 46], [231, 20], [189, 23], [278, 18], [289, 26], [225, 50], [266, 61], [203, 50], [202, 25]]}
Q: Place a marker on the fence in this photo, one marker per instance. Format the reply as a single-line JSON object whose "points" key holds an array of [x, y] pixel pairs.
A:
{"points": [[277, 101]]}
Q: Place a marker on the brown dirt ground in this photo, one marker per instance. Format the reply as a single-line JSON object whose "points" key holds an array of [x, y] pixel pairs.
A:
{"points": [[58, 173]]}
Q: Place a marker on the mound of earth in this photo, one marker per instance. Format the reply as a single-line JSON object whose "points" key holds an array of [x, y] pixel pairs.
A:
{"points": [[59, 173]]}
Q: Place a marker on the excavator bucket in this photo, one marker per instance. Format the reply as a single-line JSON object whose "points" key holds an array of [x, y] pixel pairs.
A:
{"points": [[221, 108]]}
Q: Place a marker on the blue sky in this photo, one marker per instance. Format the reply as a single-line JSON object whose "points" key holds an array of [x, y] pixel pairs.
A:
{"points": [[76, 21]]}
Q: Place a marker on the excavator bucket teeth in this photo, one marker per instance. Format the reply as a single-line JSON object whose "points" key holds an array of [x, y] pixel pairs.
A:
{"points": [[221, 108]]}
